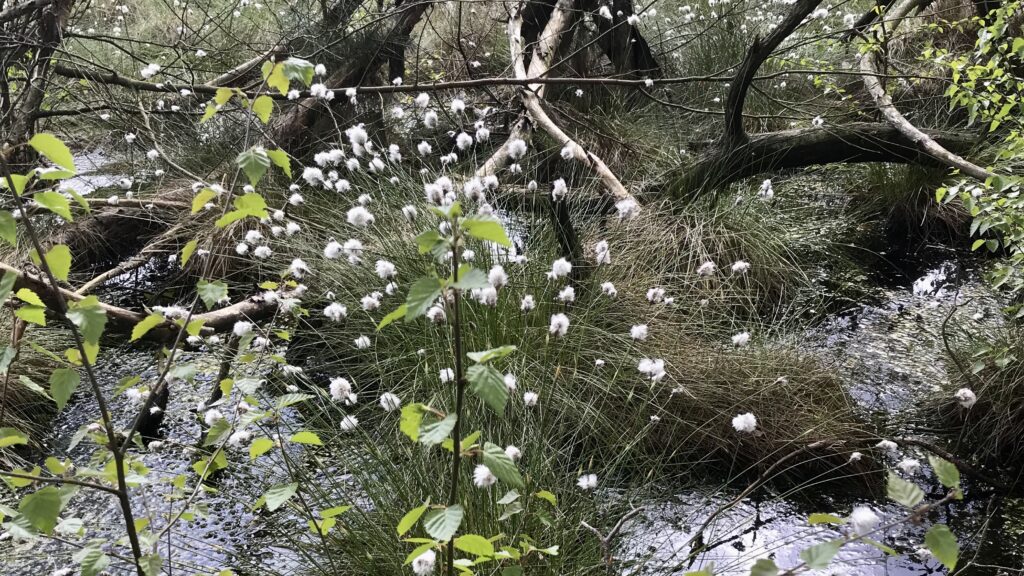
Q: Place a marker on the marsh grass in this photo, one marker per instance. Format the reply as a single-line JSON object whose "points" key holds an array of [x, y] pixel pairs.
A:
{"points": [[989, 431], [641, 438]]}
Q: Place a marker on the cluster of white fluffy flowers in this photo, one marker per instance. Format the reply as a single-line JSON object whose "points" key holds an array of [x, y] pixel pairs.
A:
{"points": [[744, 422], [341, 391], [447, 375], [740, 340], [559, 269], [359, 216], [587, 482], [863, 520], [385, 269], [706, 269], [516, 148], [531, 398], [602, 253], [149, 71], [349, 423], [559, 189], [559, 324], [740, 267], [483, 477], [654, 368], [362, 342], [766, 192], [627, 209], [966, 397], [423, 565], [390, 402], [909, 466], [608, 289], [638, 332]]}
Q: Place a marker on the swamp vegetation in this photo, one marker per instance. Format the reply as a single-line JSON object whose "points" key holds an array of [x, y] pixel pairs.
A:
{"points": [[511, 287]]}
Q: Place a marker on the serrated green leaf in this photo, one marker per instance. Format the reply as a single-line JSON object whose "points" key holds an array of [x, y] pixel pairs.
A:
{"points": [[395, 314], [211, 292], [945, 471], [29, 297], [475, 544], [820, 555], [489, 385], [442, 523], [145, 325], [259, 447], [254, 163], [281, 160], [492, 354], [7, 284], [202, 198], [41, 508], [819, 518], [54, 150], [92, 561], [411, 420], [418, 551], [32, 314], [278, 495], [59, 261], [409, 519], [906, 493], [263, 107], [433, 431], [306, 437], [547, 497], [486, 227], [8, 228], [764, 567], [470, 278], [941, 542], [422, 295], [63, 382], [501, 465], [54, 202], [12, 436]]}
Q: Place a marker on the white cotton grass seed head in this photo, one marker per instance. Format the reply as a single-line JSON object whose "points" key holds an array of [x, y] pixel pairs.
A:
{"points": [[559, 324], [390, 402], [242, 328], [483, 477], [638, 332], [423, 565], [527, 303], [863, 520], [446, 375], [706, 269], [740, 267], [349, 423], [587, 482], [362, 343], [744, 422], [909, 466], [530, 398], [966, 397], [559, 269], [608, 289], [740, 340], [887, 445]]}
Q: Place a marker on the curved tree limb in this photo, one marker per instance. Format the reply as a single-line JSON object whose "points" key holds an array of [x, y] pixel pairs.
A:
{"points": [[122, 320], [870, 64], [758, 52], [544, 53]]}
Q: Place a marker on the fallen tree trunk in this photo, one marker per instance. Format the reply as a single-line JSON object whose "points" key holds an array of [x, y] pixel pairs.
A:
{"points": [[846, 144]]}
